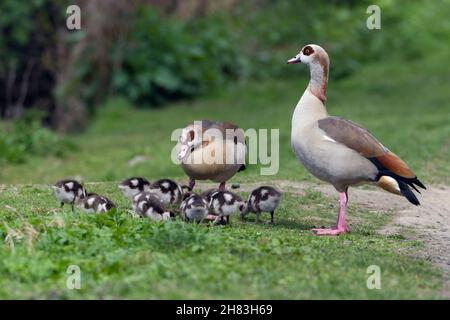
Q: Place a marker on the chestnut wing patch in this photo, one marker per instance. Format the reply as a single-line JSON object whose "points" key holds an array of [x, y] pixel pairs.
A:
{"points": [[392, 162]]}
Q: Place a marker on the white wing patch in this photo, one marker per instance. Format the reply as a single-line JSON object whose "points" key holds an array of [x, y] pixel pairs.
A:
{"points": [[228, 197], [327, 138]]}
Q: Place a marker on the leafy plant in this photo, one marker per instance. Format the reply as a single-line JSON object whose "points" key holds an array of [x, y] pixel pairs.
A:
{"points": [[26, 137], [167, 60]]}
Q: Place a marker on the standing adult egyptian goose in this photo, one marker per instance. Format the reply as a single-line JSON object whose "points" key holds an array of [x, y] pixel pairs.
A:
{"points": [[339, 151], [211, 150]]}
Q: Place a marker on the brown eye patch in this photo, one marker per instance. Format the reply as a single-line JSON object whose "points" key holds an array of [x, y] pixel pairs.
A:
{"points": [[191, 135], [308, 51]]}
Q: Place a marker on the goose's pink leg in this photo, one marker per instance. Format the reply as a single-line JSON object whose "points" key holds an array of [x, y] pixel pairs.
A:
{"points": [[341, 225], [222, 186]]}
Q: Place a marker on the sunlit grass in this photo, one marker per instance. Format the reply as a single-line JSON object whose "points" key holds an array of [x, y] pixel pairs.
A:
{"points": [[125, 257]]}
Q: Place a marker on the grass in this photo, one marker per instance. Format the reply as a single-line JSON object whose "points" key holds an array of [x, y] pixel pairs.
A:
{"points": [[124, 257], [405, 106]]}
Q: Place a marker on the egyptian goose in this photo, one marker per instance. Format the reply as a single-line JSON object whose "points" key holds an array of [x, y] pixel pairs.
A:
{"points": [[147, 204], [194, 208], [168, 191], [142, 196], [223, 204], [208, 193], [134, 185], [339, 151], [262, 199], [94, 203], [210, 150], [69, 191]]}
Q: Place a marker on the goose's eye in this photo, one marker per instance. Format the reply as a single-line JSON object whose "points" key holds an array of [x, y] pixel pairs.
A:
{"points": [[308, 51]]}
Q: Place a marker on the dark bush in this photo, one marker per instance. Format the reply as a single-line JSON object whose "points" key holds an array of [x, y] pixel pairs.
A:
{"points": [[167, 60]]}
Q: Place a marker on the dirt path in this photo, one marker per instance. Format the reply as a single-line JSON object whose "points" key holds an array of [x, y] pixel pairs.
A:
{"points": [[429, 223]]}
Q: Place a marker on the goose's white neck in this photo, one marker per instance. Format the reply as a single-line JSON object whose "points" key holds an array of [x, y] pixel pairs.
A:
{"points": [[311, 106]]}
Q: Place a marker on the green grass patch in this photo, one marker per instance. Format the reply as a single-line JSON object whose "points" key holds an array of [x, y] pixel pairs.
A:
{"points": [[125, 257]]}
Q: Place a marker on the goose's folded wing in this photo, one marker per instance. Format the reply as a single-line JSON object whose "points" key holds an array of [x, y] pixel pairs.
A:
{"points": [[230, 131], [362, 141], [219, 125]]}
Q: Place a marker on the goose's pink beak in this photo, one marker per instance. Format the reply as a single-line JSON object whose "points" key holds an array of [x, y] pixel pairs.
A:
{"points": [[294, 60]]}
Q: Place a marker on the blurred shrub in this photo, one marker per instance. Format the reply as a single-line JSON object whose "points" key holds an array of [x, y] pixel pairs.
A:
{"points": [[129, 48], [410, 31], [169, 60], [271, 34], [26, 137], [28, 57]]}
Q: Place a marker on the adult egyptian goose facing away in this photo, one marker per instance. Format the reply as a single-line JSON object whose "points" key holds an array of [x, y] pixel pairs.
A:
{"points": [[211, 150], [339, 151]]}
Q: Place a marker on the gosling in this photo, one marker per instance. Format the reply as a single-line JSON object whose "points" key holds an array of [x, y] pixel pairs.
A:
{"points": [[194, 208], [262, 199], [134, 185], [223, 204], [69, 191]]}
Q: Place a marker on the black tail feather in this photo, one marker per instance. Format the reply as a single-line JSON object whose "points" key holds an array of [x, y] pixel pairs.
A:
{"points": [[417, 182], [407, 193], [404, 183], [242, 168], [414, 187]]}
